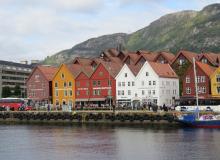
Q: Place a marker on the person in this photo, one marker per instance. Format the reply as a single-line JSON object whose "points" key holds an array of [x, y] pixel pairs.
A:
{"points": [[48, 107]]}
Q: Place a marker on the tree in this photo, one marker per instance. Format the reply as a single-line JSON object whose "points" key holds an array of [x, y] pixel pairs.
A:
{"points": [[17, 91], [6, 92]]}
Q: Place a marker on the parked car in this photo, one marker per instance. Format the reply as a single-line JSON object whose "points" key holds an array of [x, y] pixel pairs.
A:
{"points": [[209, 109], [183, 109]]}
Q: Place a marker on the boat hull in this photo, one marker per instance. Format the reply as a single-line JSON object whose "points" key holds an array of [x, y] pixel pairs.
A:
{"points": [[201, 124]]}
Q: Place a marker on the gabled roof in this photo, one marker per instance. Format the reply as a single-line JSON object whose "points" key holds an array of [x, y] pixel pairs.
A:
{"points": [[189, 55], [134, 68], [76, 69], [133, 57], [82, 61], [167, 55], [148, 56], [207, 69], [163, 70], [212, 58], [47, 71]]}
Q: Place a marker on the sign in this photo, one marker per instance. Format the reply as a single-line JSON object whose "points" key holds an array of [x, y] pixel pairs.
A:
{"points": [[102, 88], [81, 89]]}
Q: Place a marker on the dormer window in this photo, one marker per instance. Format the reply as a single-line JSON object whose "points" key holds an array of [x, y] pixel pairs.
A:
{"points": [[204, 60], [181, 61]]}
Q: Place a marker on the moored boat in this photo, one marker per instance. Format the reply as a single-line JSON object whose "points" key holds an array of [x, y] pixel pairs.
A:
{"points": [[204, 121]]}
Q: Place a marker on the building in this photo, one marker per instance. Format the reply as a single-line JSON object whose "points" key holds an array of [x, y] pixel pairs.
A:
{"points": [[156, 83], [164, 57], [39, 84], [215, 83], [203, 72], [125, 85], [12, 74], [63, 86], [103, 84], [211, 59]]}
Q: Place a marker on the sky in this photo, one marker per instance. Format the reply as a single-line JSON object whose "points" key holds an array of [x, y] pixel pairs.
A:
{"points": [[34, 29]]}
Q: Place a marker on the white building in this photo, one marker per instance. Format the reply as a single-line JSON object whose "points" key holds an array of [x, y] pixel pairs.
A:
{"points": [[125, 86], [157, 83]]}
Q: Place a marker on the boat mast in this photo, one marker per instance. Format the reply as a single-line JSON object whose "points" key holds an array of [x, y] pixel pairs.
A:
{"points": [[194, 68]]}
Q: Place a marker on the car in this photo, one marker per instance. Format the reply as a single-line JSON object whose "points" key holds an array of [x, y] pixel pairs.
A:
{"points": [[208, 109], [183, 109]]}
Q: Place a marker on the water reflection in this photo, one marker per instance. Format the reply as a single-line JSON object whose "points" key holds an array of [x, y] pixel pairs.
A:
{"points": [[105, 142]]}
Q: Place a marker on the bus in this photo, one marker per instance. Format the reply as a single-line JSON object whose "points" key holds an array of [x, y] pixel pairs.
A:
{"points": [[15, 104]]}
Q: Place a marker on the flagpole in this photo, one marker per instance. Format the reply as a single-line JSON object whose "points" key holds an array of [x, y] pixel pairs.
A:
{"points": [[196, 87]]}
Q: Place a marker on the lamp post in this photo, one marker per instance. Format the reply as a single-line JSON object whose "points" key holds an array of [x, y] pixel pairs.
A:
{"points": [[109, 83]]}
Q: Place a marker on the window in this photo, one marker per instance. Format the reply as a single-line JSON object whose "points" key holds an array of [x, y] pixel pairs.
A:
{"points": [[87, 83], [96, 92], [198, 79], [153, 92], [122, 92], [149, 92], [64, 84], [109, 82], [100, 73], [202, 79], [62, 75], [133, 83], [70, 93], [187, 79], [123, 83], [77, 84], [142, 92], [98, 83], [142, 83], [203, 89], [129, 92], [149, 83], [77, 93], [119, 84], [154, 82], [56, 84], [129, 84], [126, 75], [204, 60], [147, 74], [218, 89], [218, 78], [119, 92], [188, 90], [87, 93], [181, 61], [56, 93], [65, 93], [109, 92], [70, 84], [94, 83]]}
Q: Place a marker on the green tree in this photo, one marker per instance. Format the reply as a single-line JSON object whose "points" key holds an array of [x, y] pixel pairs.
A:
{"points": [[17, 91], [6, 92]]}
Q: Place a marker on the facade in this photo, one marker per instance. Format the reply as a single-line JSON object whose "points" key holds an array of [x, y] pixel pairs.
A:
{"points": [[63, 85], [12, 74], [157, 83], [39, 84], [215, 83], [102, 86], [203, 72], [125, 87]]}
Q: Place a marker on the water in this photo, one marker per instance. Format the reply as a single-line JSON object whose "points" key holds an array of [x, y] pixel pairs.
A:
{"points": [[35, 142]]}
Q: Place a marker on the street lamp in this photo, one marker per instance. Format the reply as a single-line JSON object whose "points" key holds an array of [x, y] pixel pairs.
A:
{"points": [[109, 83]]}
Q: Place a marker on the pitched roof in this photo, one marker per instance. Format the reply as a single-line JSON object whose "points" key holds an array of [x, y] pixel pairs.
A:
{"points": [[212, 57], [76, 69], [189, 55], [207, 69], [48, 71], [82, 60], [167, 55], [148, 56], [112, 67], [163, 70], [132, 55], [134, 68]]}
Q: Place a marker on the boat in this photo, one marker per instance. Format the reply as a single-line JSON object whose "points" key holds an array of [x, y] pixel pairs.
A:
{"points": [[204, 121], [194, 119]]}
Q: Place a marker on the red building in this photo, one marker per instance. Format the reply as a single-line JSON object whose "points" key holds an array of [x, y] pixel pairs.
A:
{"points": [[103, 84], [39, 84], [203, 72]]}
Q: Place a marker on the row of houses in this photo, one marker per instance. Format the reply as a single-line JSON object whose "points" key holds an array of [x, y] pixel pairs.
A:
{"points": [[126, 78]]}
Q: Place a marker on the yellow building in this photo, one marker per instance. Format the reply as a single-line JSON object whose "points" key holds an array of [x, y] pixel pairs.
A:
{"points": [[63, 87], [215, 83]]}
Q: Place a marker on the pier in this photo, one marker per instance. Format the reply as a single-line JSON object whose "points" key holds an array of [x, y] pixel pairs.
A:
{"points": [[89, 117]]}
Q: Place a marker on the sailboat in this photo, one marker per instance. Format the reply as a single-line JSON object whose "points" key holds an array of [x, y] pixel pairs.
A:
{"points": [[195, 119]]}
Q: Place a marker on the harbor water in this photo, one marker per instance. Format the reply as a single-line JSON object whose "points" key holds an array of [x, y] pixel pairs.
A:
{"points": [[107, 142]]}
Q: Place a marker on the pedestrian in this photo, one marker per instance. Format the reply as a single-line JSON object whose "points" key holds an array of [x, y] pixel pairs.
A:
{"points": [[48, 107]]}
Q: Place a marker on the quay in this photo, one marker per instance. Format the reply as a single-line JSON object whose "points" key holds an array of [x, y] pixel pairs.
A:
{"points": [[128, 116]]}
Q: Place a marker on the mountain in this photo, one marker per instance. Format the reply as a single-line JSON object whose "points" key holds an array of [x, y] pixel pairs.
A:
{"points": [[190, 30]]}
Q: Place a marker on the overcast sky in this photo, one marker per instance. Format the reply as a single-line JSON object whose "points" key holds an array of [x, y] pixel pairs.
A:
{"points": [[34, 29]]}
